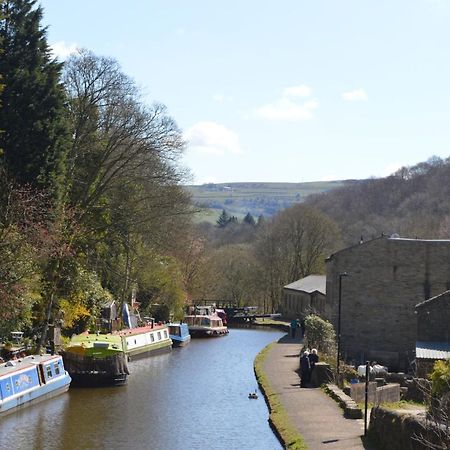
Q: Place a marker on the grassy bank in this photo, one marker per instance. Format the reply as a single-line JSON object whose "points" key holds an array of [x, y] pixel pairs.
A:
{"points": [[278, 418]]}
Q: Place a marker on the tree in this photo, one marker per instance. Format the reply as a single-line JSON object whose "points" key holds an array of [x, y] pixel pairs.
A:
{"points": [[35, 134], [223, 220], [294, 245], [125, 181], [249, 219]]}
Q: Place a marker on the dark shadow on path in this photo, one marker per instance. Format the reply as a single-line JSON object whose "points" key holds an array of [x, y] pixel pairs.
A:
{"points": [[287, 339]]}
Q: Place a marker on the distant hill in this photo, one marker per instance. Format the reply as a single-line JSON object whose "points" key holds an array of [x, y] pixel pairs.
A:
{"points": [[413, 202], [256, 198]]}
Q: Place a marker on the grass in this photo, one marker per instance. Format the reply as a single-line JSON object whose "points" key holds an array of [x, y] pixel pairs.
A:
{"points": [[257, 198], [266, 321], [278, 417], [404, 404]]}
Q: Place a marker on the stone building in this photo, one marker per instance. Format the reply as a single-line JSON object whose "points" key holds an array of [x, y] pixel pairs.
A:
{"points": [[433, 332], [305, 296], [387, 277]]}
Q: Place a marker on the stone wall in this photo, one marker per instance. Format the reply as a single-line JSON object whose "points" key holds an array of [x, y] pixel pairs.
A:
{"points": [[386, 278], [298, 304], [376, 395], [400, 431]]}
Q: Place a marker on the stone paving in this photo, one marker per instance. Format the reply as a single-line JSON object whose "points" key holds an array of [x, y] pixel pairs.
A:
{"points": [[317, 417]]}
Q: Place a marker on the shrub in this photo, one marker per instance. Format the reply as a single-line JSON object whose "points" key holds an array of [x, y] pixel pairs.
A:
{"points": [[440, 378], [319, 334]]}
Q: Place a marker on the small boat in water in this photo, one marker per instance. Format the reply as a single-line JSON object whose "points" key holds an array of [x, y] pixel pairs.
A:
{"points": [[204, 322], [31, 379], [179, 333]]}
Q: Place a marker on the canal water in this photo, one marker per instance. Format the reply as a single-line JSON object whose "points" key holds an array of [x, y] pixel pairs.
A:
{"points": [[192, 398]]}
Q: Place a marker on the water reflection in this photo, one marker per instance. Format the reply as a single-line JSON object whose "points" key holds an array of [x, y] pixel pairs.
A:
{"points": [[193, 398]]}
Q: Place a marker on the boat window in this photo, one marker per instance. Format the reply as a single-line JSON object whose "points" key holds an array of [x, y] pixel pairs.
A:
{"points": [[205, 322], [165, 334], [152, 337], [49, 371], [159, 335], [57, 371]]}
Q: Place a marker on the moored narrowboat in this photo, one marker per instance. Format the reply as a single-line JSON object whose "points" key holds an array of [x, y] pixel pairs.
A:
{"points": [[30, 380], [144, 341], [95, 359], [179, 333], [205, 325]]}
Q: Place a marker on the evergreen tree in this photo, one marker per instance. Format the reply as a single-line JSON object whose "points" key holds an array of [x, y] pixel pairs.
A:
{"points": [[249, 219], [32, 118], [223, 220], [261, 221]]}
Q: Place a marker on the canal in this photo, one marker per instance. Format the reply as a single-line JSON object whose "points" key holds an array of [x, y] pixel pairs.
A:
{"points": [[192, 398]]}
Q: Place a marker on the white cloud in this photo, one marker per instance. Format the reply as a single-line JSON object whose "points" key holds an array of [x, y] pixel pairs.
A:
{"points": [[357, 95], [286, 109], [213, 138], [62, 50], [297, 91]]}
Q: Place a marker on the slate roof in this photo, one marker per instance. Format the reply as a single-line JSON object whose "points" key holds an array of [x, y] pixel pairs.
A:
{"points": [[432, 350], [432, 299], [309, 284]]}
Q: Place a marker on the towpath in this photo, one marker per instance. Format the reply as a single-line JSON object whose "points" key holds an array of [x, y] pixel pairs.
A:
{"points": [[317, 417]]}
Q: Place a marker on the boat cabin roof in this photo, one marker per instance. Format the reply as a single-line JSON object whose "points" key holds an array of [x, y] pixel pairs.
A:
{"points": [[27, 362], [88, 338], [140, 330]]}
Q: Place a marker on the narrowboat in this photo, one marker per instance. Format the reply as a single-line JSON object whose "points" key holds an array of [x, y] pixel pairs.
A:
{"points": [[30, 380], [95, 359], [205, 325], [179, 333], [147, 340]]}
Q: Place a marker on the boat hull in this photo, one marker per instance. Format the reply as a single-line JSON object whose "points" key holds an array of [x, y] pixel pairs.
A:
{"points": [[150, 350], [89, 371], [31, 399], [208, 332], [181, 342], [91, 379]]}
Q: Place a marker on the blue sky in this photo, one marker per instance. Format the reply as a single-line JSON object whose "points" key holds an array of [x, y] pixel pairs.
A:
{"points": [[288, 91]]}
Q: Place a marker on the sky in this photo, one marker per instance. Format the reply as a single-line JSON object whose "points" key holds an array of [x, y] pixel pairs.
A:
{"points": [[287, 91]]}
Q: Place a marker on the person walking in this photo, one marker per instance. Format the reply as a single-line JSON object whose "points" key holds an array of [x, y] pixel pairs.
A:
{"points": [[294, 326], [305, 369]]}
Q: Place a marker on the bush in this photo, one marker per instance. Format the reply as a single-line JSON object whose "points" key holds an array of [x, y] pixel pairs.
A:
{"points": [[320, 334], [440, 378]]}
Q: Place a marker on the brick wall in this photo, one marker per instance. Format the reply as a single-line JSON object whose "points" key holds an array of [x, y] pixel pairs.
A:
{"points": [[386, 279]]}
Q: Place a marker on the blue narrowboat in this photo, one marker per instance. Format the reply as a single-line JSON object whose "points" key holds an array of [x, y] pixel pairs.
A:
{"points": [[179, 333], [31, 379]]}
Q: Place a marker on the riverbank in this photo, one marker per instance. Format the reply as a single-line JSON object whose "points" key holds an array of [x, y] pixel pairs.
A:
{"points": [[303, 418]]}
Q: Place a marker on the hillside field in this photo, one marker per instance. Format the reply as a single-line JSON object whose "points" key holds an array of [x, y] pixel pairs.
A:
{"points": [[256, 198]]}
